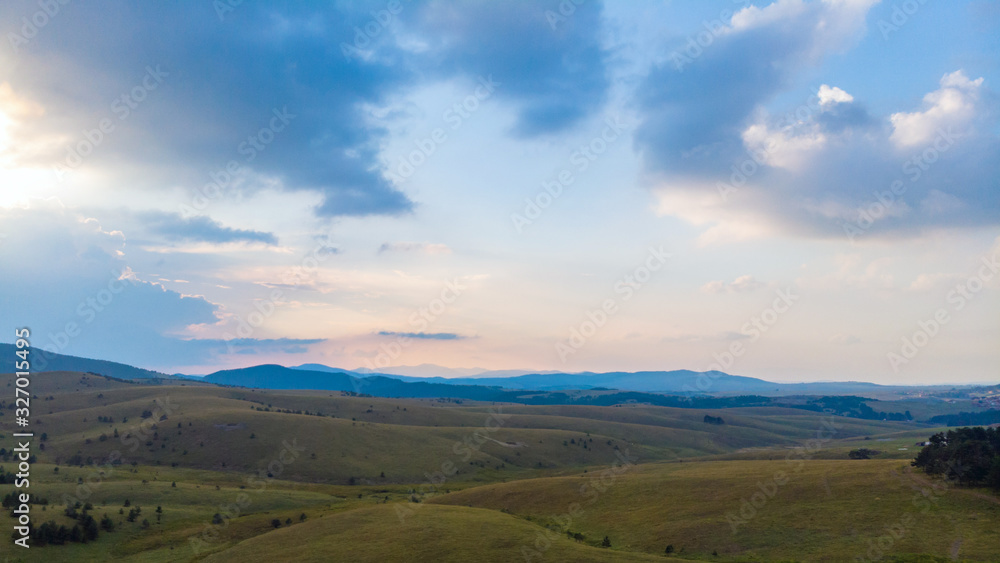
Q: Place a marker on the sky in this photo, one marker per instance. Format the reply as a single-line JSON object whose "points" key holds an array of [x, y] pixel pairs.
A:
{"points": [[791, 190]]}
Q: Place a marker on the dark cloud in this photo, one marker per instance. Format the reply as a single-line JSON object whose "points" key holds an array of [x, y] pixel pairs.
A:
{"points": [[552, 68], [423, 335], [267, 87], [173, 226], [282, 89]]}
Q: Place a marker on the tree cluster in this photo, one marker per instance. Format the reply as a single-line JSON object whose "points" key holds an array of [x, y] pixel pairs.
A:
{"points": [[970, 456]]}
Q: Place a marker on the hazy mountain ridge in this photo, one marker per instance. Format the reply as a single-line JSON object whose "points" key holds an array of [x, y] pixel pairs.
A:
{"points": [[486, 386], [44, 361]]}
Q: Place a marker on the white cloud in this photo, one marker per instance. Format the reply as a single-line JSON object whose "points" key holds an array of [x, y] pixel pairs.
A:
{"points": [[829, 96], [739, 285], [950, 107]]}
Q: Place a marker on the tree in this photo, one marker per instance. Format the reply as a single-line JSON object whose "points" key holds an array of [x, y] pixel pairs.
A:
{"points": [[606, 542], [670, 549], [90, 529], [970, 456], [276, 523]]}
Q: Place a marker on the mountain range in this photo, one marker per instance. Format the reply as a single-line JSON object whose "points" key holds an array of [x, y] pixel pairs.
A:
{"points": [[478, 385]]}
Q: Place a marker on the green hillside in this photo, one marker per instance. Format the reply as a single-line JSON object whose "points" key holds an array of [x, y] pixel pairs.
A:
{"points": [[354, 478]]}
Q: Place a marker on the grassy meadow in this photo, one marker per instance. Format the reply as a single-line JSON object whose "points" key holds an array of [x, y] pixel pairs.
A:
{"points": [[251, 475]]}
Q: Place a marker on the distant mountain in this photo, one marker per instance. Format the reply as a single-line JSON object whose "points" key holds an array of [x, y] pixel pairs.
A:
{"points": [[43, 360], [279, 377], [436, 371], [323, 368], [676, 381], [489, 385]]}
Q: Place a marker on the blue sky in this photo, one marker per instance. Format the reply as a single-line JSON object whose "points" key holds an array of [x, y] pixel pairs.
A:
{"points": [[792, 190]]}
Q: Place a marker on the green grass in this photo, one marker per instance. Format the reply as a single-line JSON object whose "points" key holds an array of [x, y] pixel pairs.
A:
{"points": [[514, 489], [826, 511], [432, 533]]}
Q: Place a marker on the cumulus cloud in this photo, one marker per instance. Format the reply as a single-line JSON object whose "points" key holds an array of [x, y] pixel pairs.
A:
{"points": [[694, 110], [831, 95], [720, 160], [823, 171], [952, 106], [68, 280]]}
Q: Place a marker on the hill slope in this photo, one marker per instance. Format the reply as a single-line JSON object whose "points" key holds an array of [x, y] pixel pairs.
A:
{"points": [[45, 361]]}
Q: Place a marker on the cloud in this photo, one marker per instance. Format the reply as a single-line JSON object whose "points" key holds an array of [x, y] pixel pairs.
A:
{"points": [[935, 281], [716, 157], [174, 227], [830, 168], [279, 98], [287, 97], [553, 72], [739, 285], [695, 105], [421, 247], [76, 292], [423, 335], [829, 96], [253, 346], [951, 106]]}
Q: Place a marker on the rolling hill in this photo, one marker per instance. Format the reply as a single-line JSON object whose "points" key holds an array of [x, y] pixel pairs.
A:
{"points": [[45, 361]]}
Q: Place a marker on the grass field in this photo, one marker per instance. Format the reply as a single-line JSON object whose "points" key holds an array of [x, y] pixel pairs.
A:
{"points": [[375, 479]]}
